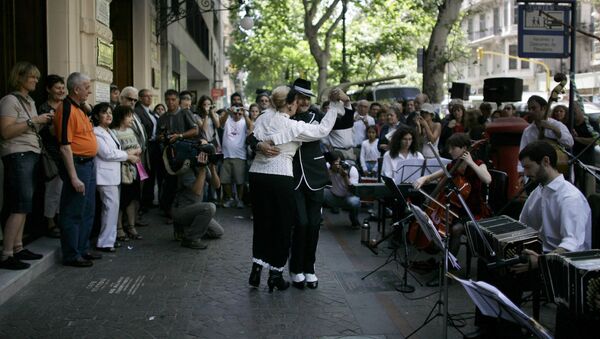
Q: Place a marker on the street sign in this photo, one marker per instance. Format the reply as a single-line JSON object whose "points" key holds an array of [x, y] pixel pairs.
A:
{"points": [[541, 31], [217, 93]]}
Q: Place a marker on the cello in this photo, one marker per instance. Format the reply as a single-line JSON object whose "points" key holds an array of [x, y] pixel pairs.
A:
{"points": [[562, 159], [435, 205]]}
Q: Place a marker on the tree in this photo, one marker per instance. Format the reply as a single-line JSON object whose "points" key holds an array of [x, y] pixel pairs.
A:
{"points": [[320, 50], [435, 57]]}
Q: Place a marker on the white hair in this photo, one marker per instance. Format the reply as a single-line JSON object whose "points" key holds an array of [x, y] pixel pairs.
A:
{"points": [[76, 79], [128, 91]]}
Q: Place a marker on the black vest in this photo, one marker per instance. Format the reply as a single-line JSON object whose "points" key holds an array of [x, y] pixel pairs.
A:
{"points": [[309, 162]]}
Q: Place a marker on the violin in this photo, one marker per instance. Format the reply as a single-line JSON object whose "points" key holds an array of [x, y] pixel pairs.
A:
{"points": [[435, 204]]}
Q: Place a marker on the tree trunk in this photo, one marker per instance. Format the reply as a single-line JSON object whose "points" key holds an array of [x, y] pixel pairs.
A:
{"points": [[435, 57]]}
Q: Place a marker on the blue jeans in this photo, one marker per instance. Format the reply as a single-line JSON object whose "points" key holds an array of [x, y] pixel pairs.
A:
{"points": [[351, 202], [19, 181], [77, 212]]}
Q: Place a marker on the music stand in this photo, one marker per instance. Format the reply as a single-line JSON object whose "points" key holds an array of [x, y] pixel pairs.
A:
{"points": [[493, 303], [403, 287]]}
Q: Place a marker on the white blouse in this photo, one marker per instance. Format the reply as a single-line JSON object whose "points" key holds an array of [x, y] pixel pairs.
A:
{"points": [[391, 166], [287, 135], [368, 152]]}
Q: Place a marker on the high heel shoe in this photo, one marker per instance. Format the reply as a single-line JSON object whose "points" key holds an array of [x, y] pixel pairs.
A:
{"points": [[276, 281], [254, 279], [133, 234]]}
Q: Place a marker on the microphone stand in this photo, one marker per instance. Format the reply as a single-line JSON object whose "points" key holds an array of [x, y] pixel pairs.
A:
{"points": [[575, 159]]}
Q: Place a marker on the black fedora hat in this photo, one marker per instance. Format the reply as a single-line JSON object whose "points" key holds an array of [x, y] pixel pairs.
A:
{"points": [[302, 86]]}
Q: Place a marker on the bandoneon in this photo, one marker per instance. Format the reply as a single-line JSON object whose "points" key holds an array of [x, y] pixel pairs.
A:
{"points": [[507, 237], [573, 280]]}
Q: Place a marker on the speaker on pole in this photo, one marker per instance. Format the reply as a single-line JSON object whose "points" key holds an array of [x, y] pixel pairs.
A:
{"points": [[460, 90], [502, 89]]}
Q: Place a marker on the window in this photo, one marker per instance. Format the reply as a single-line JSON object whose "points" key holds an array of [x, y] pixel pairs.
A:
{"points": [[595, 42], [482, 29], [515, 14], [175, 81], [524, 64], [197, 28], [512, 63], [497, 21], [470, 30], [506, 14]]}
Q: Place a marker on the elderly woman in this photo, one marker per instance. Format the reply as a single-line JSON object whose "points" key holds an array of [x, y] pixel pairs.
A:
{"points": [[108, 174], [271, 180], [55, 86], [20, 150], [130, 192]]}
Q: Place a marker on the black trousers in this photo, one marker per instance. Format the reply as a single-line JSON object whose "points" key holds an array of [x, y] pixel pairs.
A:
{"points": [[273, 207], [305, 235], [156, 173]]}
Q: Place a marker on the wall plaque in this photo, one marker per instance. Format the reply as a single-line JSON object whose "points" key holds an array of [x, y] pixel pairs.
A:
{"points": [[103, 11], [102, 92], [105, 54]]}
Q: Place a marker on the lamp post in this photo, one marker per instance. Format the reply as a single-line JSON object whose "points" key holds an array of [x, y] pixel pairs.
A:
{"points": [[344, 62]]}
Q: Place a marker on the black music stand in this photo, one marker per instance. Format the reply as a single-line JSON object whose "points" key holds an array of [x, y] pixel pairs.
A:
{"points": [[403, 287], [433, 235], [493, 303]]}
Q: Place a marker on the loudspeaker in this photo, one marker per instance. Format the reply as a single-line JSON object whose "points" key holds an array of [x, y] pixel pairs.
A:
{"points": [[502, 89], [460, 90]]}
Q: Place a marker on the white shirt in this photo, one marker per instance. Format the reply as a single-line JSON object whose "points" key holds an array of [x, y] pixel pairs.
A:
{"points": [[561, 214], [532, 133], [391, 166], [359, 129], [234, 139], [287, 134], [341, 138], [368, 152], [338, 184]]}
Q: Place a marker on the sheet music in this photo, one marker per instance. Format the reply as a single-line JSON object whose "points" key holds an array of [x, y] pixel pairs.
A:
{"points": [[493, 303], [431, 232], [413, 169]]}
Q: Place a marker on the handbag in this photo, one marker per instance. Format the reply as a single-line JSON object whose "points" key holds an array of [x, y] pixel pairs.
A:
{"points": [[49, 166], [127, 173]]}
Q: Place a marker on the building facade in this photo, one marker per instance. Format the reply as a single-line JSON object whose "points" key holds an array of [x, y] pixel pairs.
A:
{"points": [[492, 26], [121, 42]]}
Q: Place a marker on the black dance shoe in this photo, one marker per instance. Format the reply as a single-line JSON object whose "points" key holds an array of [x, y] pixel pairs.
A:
{"points": [[276, 281], [254, 279]]}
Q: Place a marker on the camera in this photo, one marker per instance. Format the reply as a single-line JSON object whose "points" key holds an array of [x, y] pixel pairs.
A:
{"points": [[345, 166]]}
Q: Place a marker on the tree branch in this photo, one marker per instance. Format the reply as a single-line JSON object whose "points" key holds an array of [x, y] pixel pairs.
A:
{"points": [[310, 12], [327, 14], [332, 29]]}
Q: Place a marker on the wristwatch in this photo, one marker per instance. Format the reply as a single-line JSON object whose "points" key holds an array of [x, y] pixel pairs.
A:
{"points": [[30, 123], [180, 136]]}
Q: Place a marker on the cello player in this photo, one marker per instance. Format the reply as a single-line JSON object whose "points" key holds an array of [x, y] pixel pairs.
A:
{"points": [[472, 174]]}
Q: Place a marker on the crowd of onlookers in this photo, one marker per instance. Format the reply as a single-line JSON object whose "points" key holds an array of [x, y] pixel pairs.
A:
{"points": [[115, 152]]}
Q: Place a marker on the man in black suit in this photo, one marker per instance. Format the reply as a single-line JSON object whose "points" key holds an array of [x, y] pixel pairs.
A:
{"points": [[152, 158], [310, 177]]}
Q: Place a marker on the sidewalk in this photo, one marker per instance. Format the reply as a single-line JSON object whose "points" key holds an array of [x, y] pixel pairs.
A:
{"points": [[155, 288]]}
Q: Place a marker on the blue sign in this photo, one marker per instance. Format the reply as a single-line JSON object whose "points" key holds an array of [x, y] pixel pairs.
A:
{"points": [[542, 33]]}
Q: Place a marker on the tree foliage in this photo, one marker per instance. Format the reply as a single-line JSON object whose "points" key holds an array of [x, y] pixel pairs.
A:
{"points": [[382, 40]]}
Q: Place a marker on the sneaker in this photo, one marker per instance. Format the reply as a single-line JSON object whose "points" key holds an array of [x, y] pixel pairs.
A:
{"points": [[194, 244], [26, 254], [229, 203], [240, 204], [12, 263]]}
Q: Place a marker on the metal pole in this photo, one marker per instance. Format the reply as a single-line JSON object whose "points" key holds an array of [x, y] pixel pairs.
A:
{"points": [[572, 66], [344, 63]]}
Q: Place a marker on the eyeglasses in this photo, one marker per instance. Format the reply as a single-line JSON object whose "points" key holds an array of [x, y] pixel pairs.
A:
{"points": [[131, 99]]}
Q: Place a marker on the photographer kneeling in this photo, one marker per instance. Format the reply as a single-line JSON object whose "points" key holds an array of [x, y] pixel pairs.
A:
{"points": [[193, 219], [342, 176]]}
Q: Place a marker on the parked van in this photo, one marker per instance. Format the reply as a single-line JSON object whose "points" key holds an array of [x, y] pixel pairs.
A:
{"points": [[384, 93]]}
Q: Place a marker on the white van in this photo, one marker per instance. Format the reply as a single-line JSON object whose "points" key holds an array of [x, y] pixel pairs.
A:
{"points": [[384, 93]]}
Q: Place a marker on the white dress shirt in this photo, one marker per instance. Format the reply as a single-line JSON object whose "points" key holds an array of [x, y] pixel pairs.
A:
{"points": [[359, 129], [561, 214], [287, 134], [391, 166]]}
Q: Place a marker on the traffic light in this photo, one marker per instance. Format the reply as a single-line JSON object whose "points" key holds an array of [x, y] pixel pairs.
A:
{"points": [[479, 54]]}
